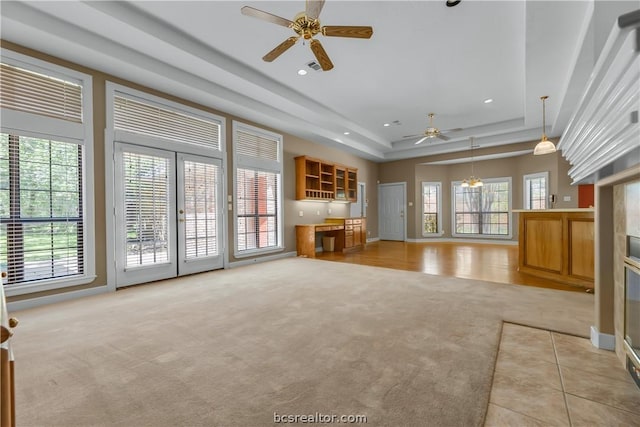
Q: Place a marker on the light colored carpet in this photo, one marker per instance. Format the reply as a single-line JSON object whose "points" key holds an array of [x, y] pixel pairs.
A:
{"points": [[293, 336]]}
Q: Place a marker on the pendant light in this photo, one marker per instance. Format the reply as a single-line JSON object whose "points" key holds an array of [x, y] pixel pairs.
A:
{"points": [[472, 181], [544, 146]]}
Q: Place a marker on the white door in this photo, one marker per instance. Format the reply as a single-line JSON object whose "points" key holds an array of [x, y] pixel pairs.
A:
{"points": [[200, 212], [168, 219], [391, 199]]}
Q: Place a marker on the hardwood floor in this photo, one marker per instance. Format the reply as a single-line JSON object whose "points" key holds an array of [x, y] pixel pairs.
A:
{"points": [[493, 263]]}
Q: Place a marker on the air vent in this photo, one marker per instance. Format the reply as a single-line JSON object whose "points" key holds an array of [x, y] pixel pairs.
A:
{"points": [[314, 65]]}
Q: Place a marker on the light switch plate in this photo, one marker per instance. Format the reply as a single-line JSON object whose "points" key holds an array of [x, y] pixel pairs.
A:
{"points": [[567, 198]]}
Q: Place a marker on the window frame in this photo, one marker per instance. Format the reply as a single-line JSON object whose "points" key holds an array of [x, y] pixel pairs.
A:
{"points": [[32, 125], [525, 187], [439, 232], [507, 236], [270, 166]]}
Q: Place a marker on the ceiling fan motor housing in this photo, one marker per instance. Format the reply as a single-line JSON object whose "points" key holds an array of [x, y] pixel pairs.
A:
{"points": [[306, 27]]}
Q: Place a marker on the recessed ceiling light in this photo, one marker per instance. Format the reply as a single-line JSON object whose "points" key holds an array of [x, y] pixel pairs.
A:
{"points": [[302, 72], [347, 133], [338, 140], [488, 101], [386, 125]]}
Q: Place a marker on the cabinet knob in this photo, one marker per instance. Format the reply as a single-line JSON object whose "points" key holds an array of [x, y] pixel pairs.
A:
{"points": [[13, 322]]}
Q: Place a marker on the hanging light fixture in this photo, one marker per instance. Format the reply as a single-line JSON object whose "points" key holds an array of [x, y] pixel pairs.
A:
{"points": [[544, 146], [472, 181]]}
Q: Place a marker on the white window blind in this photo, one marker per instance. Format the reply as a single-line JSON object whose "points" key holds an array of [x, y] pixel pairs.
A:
{"points": [[41, 221], [31, 92], [257, 146], [151, 120], [146, 189], [200, 209]]}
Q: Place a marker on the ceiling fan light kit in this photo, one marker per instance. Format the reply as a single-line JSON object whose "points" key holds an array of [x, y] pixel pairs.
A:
{"points": [[544, 146], [306, 25]]}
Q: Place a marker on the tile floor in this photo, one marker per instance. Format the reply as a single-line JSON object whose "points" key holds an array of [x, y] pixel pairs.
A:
{"points": [[544, 378]]}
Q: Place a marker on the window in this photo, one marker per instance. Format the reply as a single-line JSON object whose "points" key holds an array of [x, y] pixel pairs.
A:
{"points": [[258, 188], [46, 221], [431, 208], [535, 190], [482, 211]]}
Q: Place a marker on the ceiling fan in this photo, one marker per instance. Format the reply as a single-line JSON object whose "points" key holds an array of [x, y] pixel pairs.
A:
{"points": [[432, 132], [306, 25]]}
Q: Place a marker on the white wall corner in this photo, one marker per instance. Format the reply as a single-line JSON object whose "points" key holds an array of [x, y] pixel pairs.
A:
{"points": [[602, 341]]}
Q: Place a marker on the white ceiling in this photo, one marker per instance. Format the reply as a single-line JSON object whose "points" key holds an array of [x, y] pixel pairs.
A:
{"points": [[423, 57]]}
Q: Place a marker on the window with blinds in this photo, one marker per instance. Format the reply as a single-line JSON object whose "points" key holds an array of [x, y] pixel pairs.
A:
{"points": [[146, 189], [40, 209], [31, 92], [258, 190], [150, 120], [256, 146], [200, 209], [43, 226]]}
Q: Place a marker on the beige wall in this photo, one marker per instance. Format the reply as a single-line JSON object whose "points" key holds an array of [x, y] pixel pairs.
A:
{"points": [[414, 172], [293, 146]]}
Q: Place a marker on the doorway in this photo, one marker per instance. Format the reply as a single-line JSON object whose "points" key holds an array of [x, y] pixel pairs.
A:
{"points": [[392, 202], [168, 214]]}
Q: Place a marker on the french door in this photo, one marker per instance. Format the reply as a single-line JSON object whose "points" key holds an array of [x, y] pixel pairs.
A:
{"points": [[168, 214]]}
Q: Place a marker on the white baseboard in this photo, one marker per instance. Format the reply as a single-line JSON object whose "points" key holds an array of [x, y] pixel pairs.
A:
{"points": [[261, 259], [602, 341], [50, 299], [458, 240]]}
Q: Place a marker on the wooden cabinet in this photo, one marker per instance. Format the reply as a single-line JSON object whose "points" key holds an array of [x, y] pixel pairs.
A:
{"points": [[314, 179], [324, 181], [557, 245], [355, 231]]}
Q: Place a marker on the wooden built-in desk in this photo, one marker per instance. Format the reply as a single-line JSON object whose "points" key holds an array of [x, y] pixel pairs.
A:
{"points": [[306, 237]]}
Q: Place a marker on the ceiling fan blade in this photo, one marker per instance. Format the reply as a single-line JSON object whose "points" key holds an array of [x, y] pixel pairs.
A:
{"points": [[420, 141], [266, 16], [313, 9], [321, 55], [443, 137], [412, 136], [280, 49], [347, 31]]}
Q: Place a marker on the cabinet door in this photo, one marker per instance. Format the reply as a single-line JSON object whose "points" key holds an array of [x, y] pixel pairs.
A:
{"points": [[340, 186], [357, 235], [352, 185]]}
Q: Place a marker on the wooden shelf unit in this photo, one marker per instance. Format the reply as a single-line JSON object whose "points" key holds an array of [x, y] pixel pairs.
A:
{"points": [[324, 181]]}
